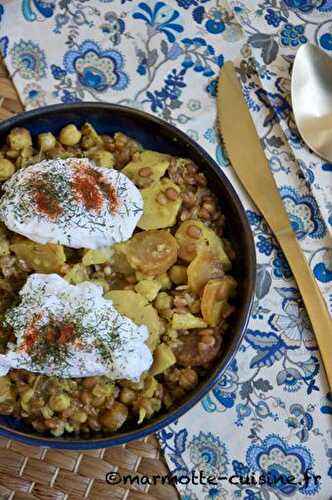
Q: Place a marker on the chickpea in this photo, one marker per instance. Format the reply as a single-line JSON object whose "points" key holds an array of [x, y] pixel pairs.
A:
{"points": [[163, 301], [46, 141], [127, 396], [69, 135], [113, 419], [19, 138], [7, 168], [103, 159], [79, 416], [60, 402], [178, 274]]}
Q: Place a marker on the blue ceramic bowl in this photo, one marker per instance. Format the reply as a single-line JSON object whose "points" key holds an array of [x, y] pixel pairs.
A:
{"points": [[155, 134]]}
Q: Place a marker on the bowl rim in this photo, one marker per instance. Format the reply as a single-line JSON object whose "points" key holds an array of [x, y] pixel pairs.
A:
{"points": [[161, 421]]}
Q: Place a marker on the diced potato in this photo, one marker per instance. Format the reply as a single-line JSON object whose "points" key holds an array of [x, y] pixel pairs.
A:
{"points": [[90, 138], [151, 252], [150, 386], [187, 321], [148, 168], [162, 202], [136, 307], [205, 266], [47, 258], [4, 243], [114, 418], [163, 358], [46, 141], [148, 288], [193, 235], [214, 303], [7, 168], [77, 274], [103, 158], [70, 135], [19, 138], [99, 256], [119, 261]]}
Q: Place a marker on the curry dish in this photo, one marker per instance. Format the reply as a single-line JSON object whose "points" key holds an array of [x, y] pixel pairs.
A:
{"points": [[172, 276]]}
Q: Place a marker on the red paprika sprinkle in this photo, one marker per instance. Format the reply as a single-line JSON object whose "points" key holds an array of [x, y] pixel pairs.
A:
{"points": [[67, 333], [48, 205], [113, 198]]}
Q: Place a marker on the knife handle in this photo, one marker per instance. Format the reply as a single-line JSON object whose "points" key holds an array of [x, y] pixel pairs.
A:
{"points": [[313, 300]]}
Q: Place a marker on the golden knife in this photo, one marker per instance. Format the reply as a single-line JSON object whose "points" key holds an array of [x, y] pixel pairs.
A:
{"points": [[251, 166]]}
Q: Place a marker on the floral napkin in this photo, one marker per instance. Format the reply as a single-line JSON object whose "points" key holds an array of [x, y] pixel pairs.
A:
{"points": [[270, 412]]}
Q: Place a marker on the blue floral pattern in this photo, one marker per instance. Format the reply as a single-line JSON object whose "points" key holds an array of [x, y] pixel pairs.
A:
{"points": [[270, 411]]}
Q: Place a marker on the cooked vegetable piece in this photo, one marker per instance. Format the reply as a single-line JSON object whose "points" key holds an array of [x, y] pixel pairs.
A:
{"points": [[149, 167], [7, 168], [214, 303], [119, 261], [19, 138], [187, 321], [149, 288], [99, 256], [151, 252], [194, 352], [103, 158], [114, 418], [77, 274], [90, 138], [4, 243], [150, 386], [162, 202], [205, 266], [46, 141], [70, 135], [163, 358], [178, 274], [136, 307], [47, 258], [193, 235]]}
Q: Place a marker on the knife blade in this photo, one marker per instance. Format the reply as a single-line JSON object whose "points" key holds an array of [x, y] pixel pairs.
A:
{"points": [[248, 159]]}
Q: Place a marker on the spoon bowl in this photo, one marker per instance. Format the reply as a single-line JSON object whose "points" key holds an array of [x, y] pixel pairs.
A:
{"points": [[311, 89]]}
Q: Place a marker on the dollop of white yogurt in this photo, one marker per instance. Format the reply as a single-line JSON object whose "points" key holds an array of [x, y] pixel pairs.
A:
{"points": [[72, 331], [71, 202]]}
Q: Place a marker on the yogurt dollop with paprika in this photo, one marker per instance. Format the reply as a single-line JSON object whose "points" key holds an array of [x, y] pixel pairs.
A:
{"points": [[72, 331], [71, 202]]}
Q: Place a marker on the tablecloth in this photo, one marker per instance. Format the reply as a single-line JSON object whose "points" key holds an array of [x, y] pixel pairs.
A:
{"points": [[270, 412]]}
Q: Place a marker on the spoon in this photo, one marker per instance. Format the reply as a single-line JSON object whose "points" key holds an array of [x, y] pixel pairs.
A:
{"points": [[311, 89]]}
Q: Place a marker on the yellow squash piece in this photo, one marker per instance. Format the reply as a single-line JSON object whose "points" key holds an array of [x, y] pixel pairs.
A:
{"points": [[148, 168], [162, 202], [205, 266], [193, 235], [214, 303], [151, 252], [137, 308], [187, 321], [47, 258], [77, 274], [163, 358], [94, 257]]}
